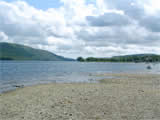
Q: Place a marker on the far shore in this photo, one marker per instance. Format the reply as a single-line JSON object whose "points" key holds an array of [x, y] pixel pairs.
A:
{"points": [[123, 97]]}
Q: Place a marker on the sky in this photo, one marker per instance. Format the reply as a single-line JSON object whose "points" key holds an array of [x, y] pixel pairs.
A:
{"points": [[73, 28], [41, 4]]}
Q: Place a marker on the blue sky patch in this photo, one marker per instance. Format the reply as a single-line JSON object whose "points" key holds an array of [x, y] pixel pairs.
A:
{"points": [[41, 4]]}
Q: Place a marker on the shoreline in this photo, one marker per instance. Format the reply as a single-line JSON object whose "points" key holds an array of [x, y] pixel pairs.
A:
{"points": [[127, 96], [109, 75]]}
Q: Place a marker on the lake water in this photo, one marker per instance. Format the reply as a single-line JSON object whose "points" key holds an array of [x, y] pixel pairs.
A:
{"points": [[26, 73]]}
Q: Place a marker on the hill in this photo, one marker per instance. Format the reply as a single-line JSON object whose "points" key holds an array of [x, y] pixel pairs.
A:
{"points": [[125, 58], [138, 58], [10, 51]]}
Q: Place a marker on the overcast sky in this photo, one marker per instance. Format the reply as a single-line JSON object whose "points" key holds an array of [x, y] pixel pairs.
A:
{"points": [[72, 28]]}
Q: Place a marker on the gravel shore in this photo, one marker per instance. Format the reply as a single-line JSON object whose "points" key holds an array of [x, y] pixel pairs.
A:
{"points": [[122, 97]]}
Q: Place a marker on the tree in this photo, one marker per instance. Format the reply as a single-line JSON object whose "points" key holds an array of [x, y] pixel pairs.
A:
{"points": [[80, 59]]}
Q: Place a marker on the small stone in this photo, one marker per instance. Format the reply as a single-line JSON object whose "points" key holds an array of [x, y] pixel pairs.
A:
{"points": [[52, 106], [86, 99]]}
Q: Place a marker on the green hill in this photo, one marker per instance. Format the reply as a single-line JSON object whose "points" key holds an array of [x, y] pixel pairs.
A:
{"points": [[138, 58], [9, 51], [126, 58]]}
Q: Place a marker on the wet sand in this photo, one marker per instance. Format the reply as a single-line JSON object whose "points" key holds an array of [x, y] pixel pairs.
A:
{"points": [[122, 97]]}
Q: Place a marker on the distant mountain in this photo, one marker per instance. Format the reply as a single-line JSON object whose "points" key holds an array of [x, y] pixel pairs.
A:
{"points": [[10, 51], [136, 55], [125, 58], [138, 58]]}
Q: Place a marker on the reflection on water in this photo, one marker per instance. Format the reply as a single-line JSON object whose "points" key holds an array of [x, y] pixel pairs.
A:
{"points": [[14, 73]]}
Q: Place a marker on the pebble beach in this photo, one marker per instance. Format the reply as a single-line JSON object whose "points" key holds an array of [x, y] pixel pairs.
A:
{"points": [[122, 97]]}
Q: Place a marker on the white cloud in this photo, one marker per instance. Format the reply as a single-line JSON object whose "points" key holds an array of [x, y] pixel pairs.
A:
{"points": [[3, 37], [102, 28], [152, 6]]}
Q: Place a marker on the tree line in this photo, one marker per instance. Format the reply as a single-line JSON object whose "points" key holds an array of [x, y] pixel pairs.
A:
{"points": [[128, 58]]}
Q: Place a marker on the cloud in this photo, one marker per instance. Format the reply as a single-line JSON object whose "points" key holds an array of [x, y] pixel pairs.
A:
{"points": [[79, 28], [108, 19], [151, 23], [3, 37]]}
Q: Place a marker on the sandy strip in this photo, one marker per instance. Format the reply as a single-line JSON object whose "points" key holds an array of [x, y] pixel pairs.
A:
{"points": [[124, 97]]}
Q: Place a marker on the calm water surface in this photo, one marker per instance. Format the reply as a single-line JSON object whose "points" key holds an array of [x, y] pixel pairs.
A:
{"points": [[26, 73]]}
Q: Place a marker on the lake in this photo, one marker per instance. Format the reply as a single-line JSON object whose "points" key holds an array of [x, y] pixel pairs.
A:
{"points": [[27, 73]]}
